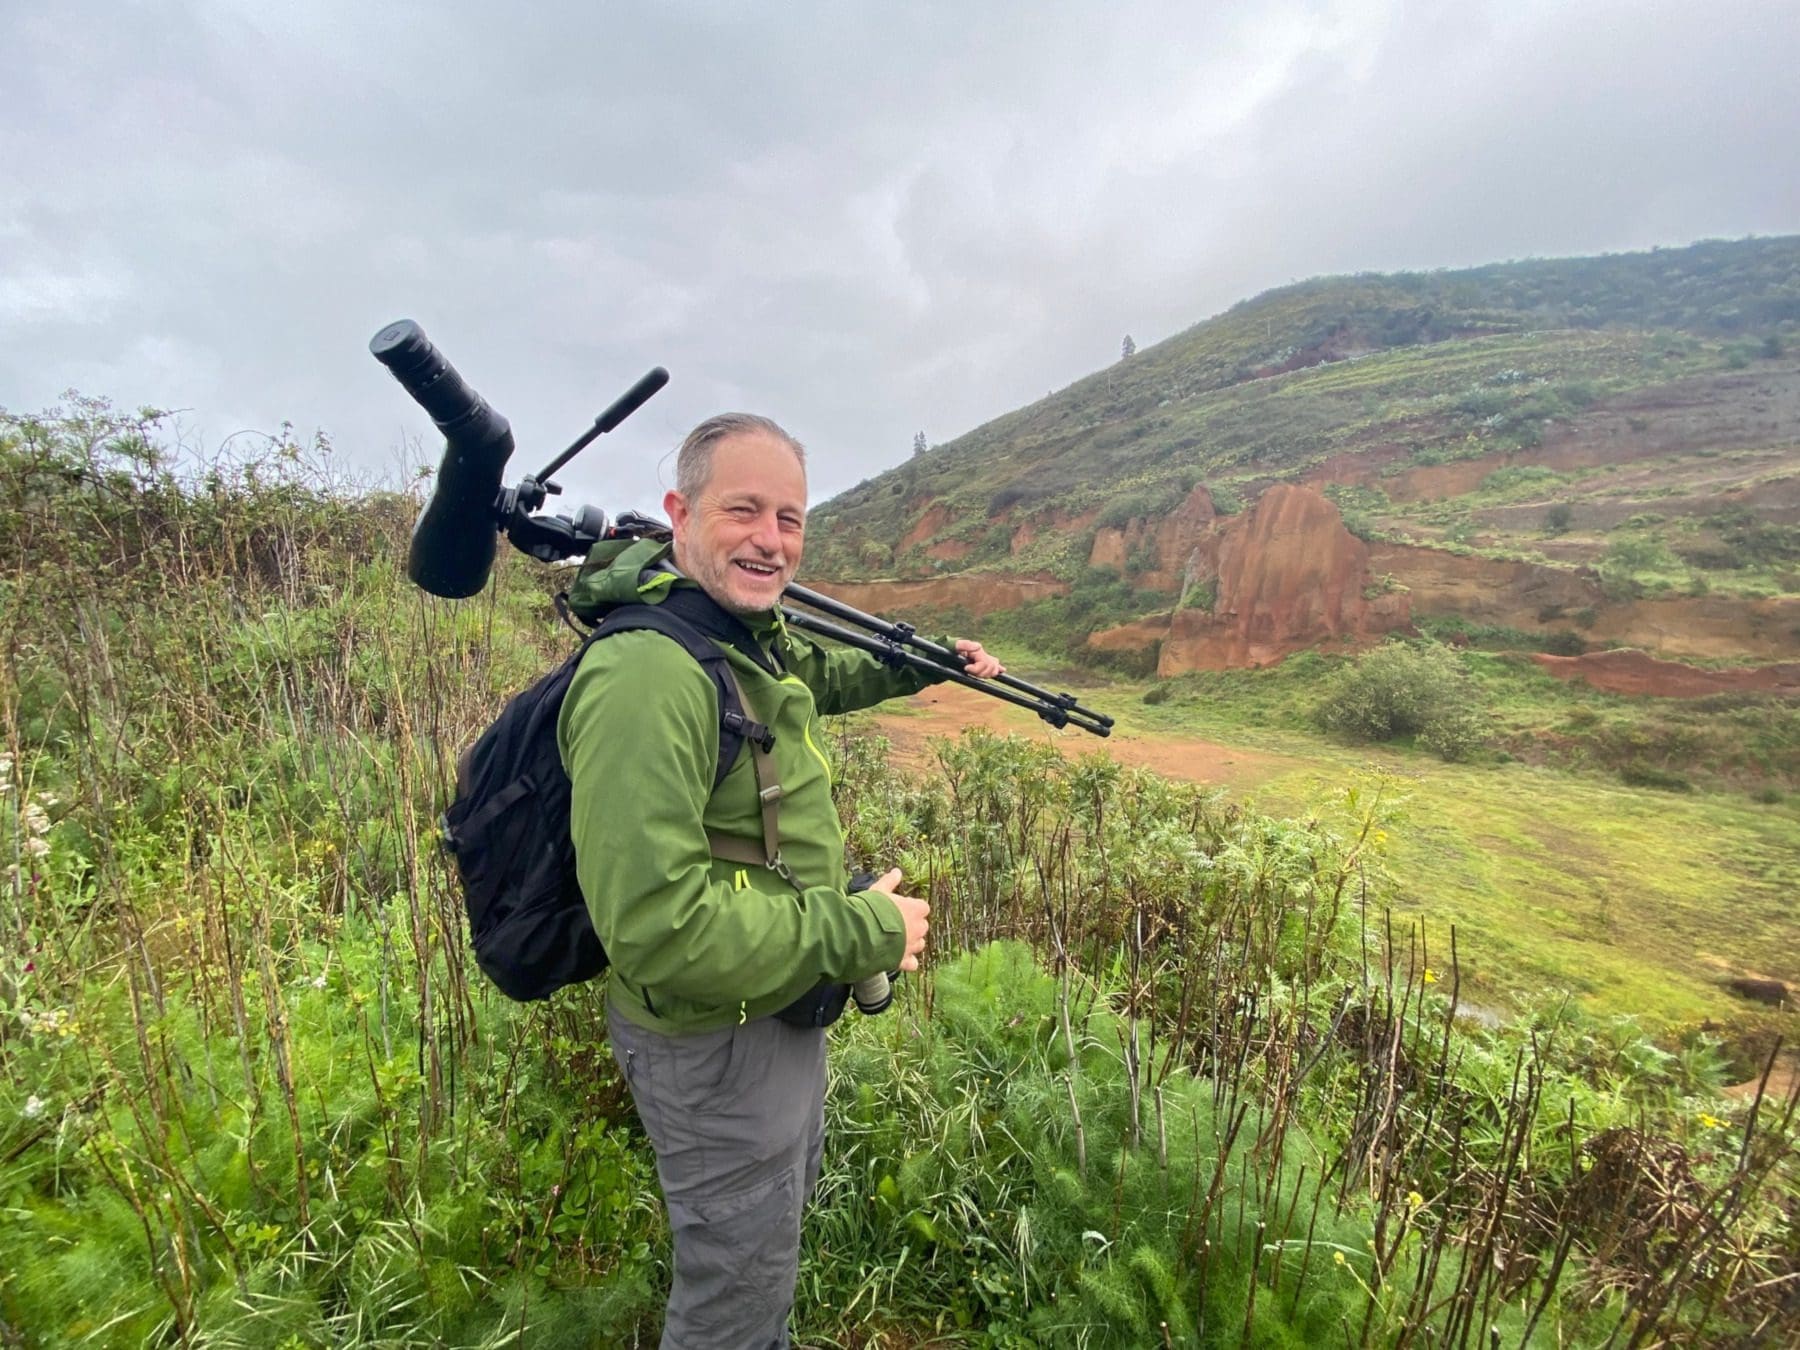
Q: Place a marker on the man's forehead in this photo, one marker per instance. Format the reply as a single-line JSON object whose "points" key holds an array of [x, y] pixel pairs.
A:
{"points": [[756, 465]]}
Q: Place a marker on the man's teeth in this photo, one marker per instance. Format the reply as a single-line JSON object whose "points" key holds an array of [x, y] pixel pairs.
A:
{"points": [[756, 568]]}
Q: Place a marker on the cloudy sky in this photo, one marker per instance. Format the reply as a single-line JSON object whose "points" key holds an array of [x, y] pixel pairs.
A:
{"points": [[864, 220]]}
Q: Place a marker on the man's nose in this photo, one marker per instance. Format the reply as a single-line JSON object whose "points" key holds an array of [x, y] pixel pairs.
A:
{"points": [[766, 534]]}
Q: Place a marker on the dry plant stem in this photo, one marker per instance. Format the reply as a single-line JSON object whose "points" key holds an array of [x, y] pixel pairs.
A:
{"points": [[1080, 1133]]}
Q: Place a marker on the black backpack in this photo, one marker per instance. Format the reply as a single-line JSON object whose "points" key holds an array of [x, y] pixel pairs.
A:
{"points": [[508, 826]]}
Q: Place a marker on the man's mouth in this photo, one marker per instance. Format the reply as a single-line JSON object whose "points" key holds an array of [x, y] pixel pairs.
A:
{"points": [[756, 569]]}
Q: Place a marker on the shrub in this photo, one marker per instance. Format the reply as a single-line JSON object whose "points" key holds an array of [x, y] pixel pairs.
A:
{"points": [[1121, 511], [1557, 518], [1406, 689], [1639, 773]]}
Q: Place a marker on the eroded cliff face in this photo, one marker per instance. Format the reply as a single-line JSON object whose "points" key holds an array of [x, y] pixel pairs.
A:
{"points": [[1289, 577], [1175, 541]]}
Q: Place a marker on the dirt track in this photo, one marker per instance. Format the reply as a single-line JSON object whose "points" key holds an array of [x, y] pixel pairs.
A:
{"points": [[948, 709]]}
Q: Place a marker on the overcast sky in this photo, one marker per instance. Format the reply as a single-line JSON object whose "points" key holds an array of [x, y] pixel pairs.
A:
{"points": [[864, 220]]}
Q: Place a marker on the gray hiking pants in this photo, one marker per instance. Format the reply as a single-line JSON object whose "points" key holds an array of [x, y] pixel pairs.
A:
{"points": [[738, 1121]]}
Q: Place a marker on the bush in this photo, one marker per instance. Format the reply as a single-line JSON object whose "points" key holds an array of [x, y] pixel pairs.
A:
{"points": [[1638, 773], [1557, 518], [1406, 689]]}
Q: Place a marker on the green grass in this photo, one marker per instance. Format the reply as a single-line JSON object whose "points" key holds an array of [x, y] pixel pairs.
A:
{"points": [[1557, 876], [1634, 900]]}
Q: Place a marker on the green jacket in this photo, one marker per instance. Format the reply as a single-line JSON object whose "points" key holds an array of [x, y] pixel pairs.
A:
{"points": [[697, 942]]}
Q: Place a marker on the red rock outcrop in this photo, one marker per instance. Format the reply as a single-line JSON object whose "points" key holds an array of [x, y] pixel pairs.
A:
{"points": [[1635, 672], [1174, 540], [1290, 576]]}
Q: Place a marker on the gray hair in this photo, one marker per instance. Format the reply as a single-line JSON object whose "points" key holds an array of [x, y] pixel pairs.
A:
{"points": [[693, 462]]}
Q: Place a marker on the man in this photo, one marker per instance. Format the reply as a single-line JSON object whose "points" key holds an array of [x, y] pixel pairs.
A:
{"points": [[706, 950]]}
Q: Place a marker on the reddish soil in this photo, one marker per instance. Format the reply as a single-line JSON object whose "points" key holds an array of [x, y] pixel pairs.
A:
{"points": [[936, 516], [948, 709], [1638, 673]]}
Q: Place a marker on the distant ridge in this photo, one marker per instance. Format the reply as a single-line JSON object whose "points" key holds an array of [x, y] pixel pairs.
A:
{"points": [[1485, 412]]}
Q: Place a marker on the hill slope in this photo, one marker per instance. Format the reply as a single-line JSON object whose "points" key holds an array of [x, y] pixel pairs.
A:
{"points": [[1593, 450]]}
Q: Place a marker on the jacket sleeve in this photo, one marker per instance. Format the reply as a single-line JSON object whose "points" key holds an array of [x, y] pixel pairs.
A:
{"points": [[846, 679], [640, 732]]}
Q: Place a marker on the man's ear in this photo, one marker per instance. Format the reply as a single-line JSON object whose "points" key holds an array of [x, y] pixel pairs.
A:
{"points": [[675, 507]]}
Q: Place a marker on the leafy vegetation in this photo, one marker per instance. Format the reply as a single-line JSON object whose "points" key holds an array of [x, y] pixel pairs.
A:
{"points": [[1173, 1071], [1405, 690]]}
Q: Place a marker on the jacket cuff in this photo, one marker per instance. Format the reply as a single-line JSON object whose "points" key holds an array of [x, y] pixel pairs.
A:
{"points": [[892, 948]]}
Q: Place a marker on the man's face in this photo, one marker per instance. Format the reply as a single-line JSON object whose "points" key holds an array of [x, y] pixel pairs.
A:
{"points": [[741, 536]]}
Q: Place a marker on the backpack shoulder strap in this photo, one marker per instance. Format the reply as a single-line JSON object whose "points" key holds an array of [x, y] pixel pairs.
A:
{"points": [[695, 620], [736, 725], [706, 614]]}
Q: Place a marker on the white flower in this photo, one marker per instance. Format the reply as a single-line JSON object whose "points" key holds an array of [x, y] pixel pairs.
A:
{"points": [[35, 847], [318, 982], [34, 1106], [34, 819], [44, 1021]]}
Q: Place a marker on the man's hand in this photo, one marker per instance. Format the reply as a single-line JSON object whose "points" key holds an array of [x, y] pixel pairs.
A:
{"points": [[981, 661], [913, 910]]}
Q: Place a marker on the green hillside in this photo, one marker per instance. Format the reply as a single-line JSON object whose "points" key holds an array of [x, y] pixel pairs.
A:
{"points": [[1683, 357]]}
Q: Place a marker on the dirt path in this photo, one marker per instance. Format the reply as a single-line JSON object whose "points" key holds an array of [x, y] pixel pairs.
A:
{"points": [[947, 709]]}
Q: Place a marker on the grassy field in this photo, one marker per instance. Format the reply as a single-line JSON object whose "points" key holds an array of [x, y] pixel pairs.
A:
{"points": [[1557, 876]]}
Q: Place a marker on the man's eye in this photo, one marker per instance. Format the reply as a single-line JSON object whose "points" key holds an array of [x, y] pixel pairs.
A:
{"points": [[793, 523]]}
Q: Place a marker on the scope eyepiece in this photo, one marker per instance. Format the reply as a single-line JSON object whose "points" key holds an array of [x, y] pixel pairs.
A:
{"points": [[431, 380]]}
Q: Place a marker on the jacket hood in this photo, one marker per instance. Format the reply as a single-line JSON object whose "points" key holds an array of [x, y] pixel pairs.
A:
{"points": [[613, 574]]}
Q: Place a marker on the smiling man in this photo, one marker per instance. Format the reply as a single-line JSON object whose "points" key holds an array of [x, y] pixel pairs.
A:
{"points": [[725, 968]]}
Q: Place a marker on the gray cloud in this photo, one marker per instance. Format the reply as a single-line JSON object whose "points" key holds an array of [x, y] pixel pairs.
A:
{"points": [[864, 222]]}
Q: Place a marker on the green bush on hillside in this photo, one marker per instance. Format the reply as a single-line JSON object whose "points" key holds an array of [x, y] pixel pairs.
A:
{"points": [[1406, 689]]}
